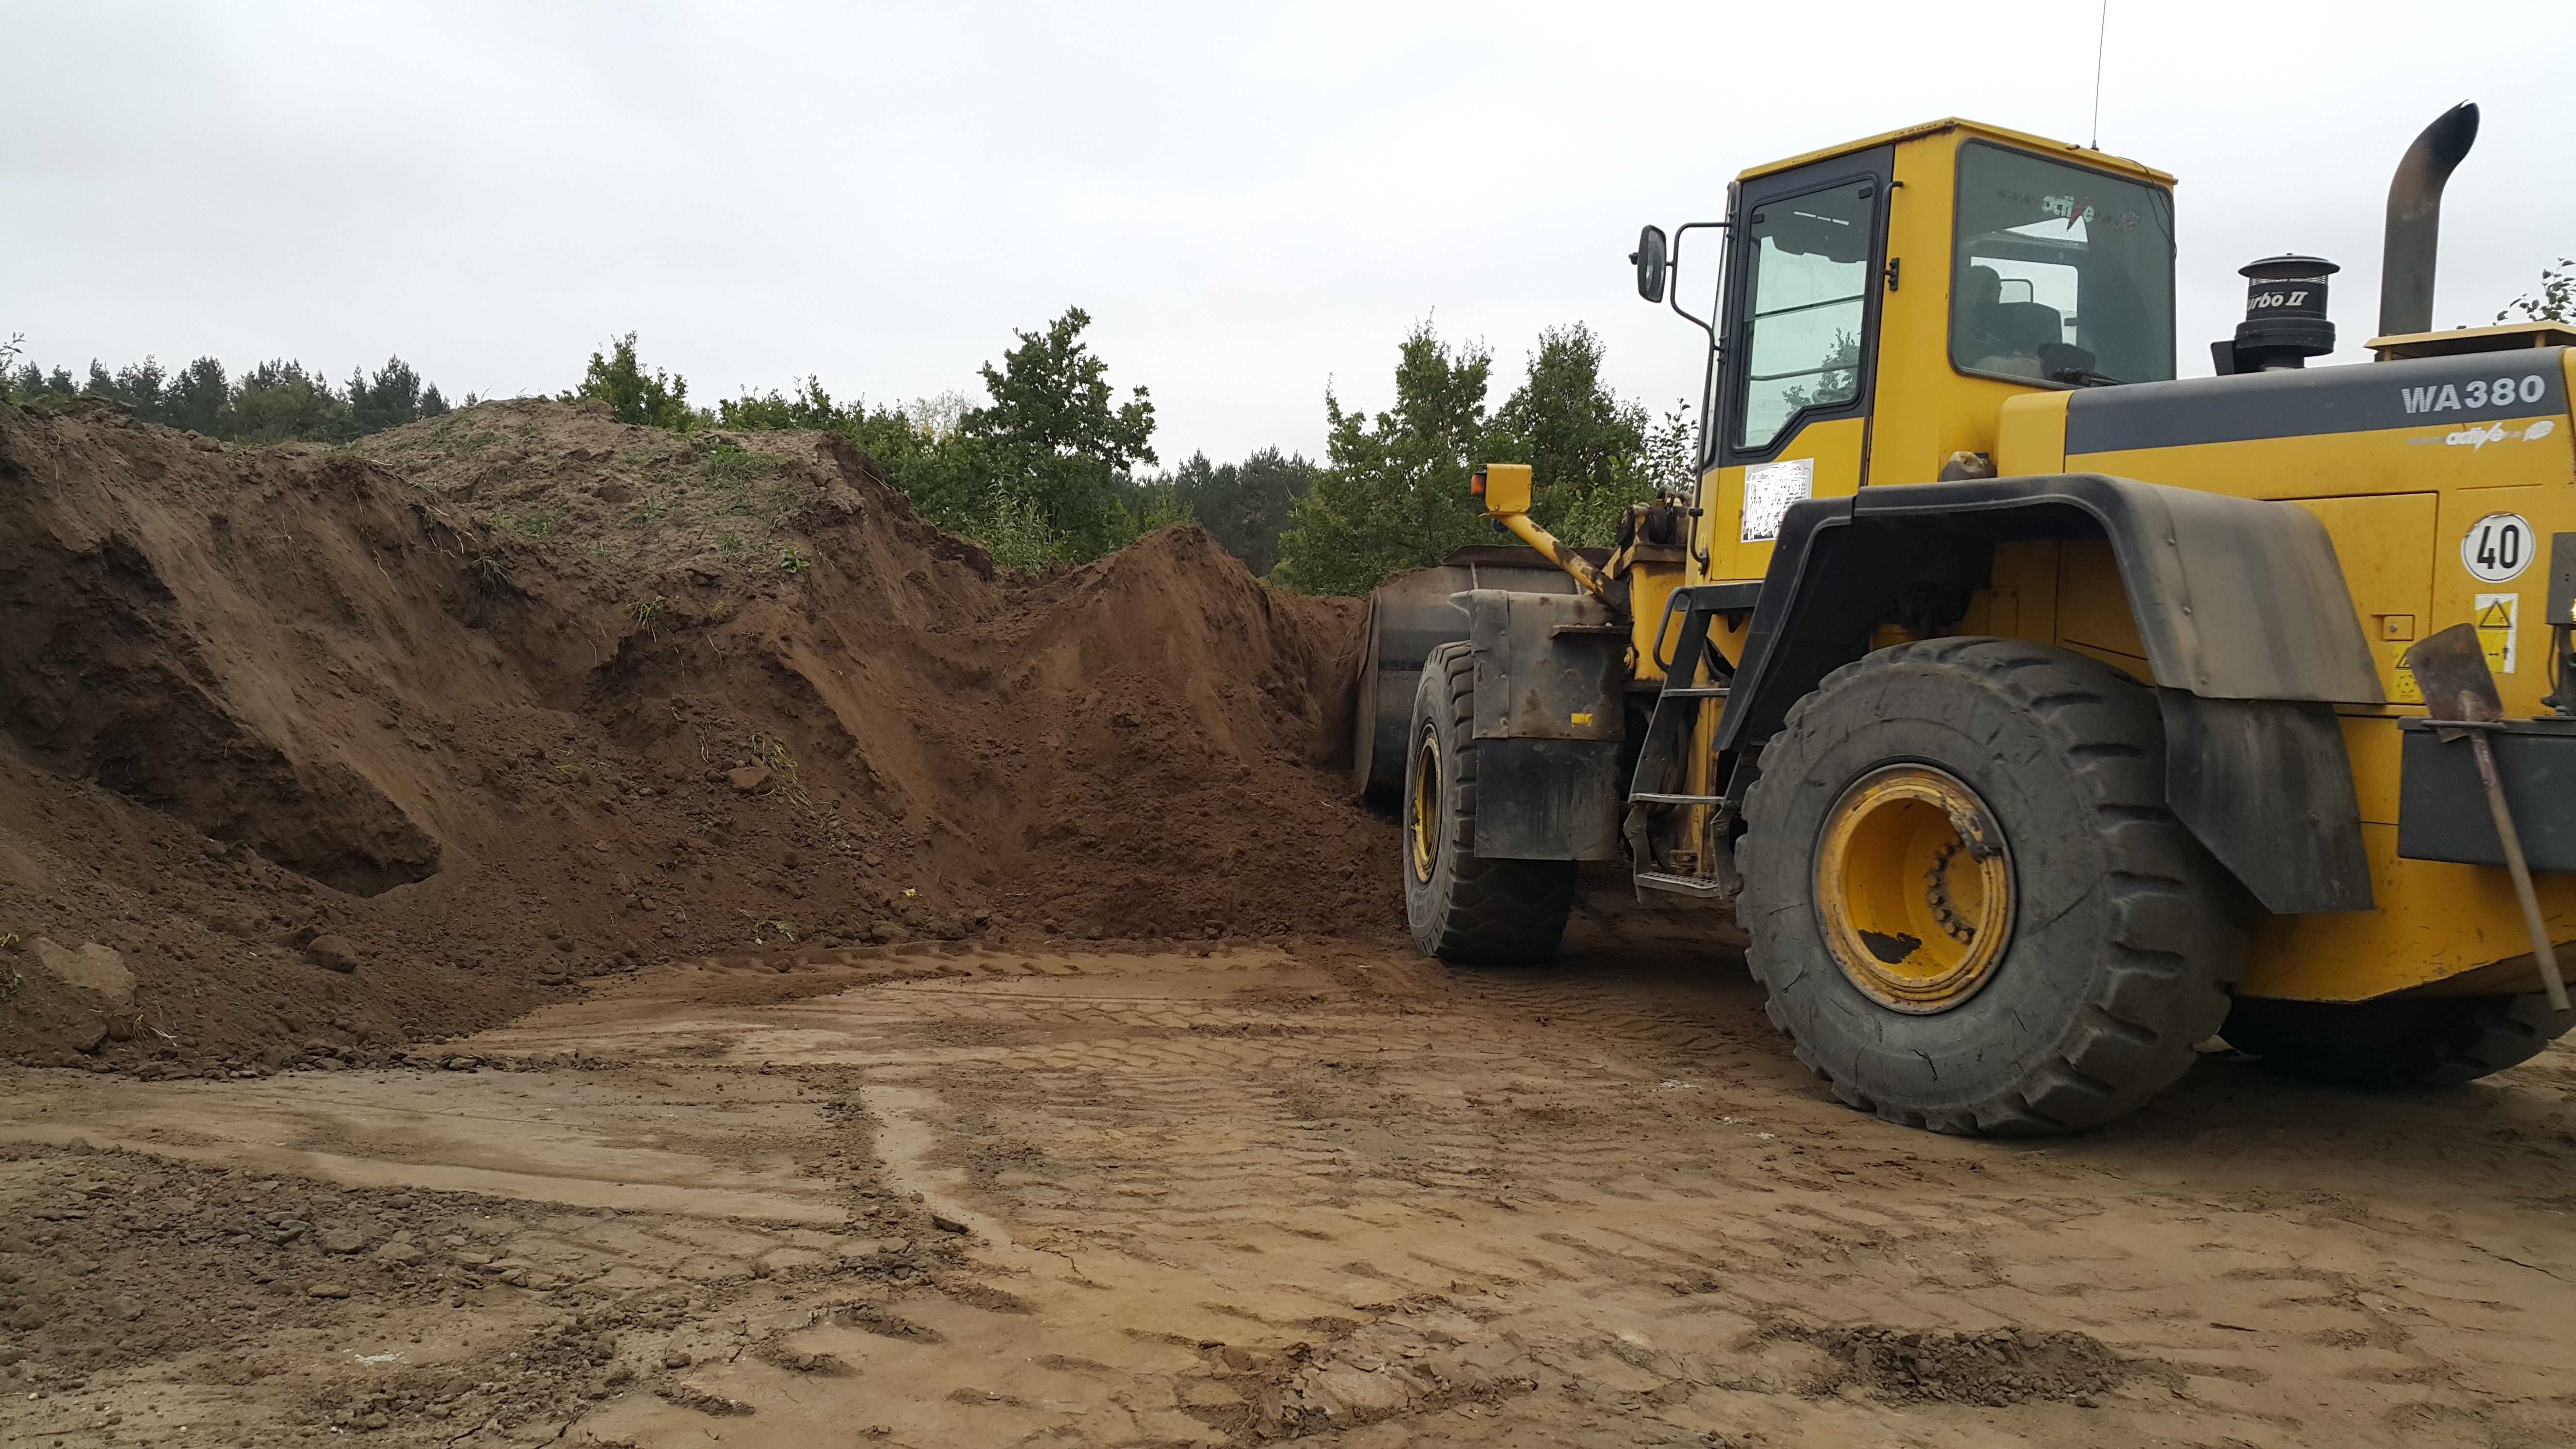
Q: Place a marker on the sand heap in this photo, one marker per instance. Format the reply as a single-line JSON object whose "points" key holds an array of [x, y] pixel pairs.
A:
{"points": [[358, 747]]}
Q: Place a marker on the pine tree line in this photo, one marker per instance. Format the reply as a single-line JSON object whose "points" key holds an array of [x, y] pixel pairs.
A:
{"points": [[275, 402]]}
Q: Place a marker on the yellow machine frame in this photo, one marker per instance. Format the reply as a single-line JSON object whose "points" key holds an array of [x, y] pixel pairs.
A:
{"points": [[2395, 502]]}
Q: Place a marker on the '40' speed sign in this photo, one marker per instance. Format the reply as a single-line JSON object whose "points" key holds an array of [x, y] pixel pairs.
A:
{"points": [[2497, 548]]}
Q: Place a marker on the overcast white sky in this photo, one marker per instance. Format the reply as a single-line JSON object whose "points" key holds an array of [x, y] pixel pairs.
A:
{"points": [[1252, 202]]}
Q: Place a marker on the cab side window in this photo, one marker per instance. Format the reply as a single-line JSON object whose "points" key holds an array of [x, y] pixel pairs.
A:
{"points": [[1808, 292]]}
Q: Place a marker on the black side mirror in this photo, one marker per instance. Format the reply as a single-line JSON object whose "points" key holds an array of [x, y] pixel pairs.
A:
{"points": [[1649, 260]]}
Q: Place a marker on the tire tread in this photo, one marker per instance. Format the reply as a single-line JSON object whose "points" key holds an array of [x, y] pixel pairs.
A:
{"points": [[2160, 983], [1499, 912]]}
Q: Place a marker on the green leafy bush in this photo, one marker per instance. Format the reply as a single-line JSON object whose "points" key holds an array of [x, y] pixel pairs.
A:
{"points": [[617, 377]]}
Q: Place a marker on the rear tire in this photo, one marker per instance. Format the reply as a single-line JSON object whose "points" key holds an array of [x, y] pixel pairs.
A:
{"points": [[2054, 990], [2415, 1041], [1463, 908]]}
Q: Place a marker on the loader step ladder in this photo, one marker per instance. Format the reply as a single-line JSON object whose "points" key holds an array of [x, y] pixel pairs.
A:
{"points": [[1658, 786], [1700, 887]]}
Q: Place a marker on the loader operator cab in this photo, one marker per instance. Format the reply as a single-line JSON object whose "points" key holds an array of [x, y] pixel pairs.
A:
{"points": [[1929, 274]]}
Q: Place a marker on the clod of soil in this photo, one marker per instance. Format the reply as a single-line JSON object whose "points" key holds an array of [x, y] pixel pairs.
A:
{"points": [[1991, 1368], [337, 751]]}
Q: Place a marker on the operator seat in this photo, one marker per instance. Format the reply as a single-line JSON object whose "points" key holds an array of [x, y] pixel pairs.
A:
{"points": [[2003, 336]]}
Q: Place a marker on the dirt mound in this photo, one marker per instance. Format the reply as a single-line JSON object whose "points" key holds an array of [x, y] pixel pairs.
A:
{"points": [[1992, 1368], [365, 747]]}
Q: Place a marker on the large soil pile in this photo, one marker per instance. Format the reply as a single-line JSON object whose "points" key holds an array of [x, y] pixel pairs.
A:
{"points": [[355, 748]]}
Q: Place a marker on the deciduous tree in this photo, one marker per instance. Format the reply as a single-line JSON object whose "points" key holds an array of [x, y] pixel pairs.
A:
{"points": [[1057, 435], [1585, 445], [1393, 494], [2554, 300]]}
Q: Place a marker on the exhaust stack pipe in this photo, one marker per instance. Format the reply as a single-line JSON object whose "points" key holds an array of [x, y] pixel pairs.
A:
{"points": [[2415, 220]]}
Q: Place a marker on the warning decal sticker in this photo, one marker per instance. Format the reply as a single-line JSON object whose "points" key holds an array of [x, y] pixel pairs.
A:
{"points": [[2402, 688], [2495, 617]]}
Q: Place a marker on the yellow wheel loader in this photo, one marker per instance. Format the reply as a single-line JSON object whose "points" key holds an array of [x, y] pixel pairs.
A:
{"points": [[2037, 714]]}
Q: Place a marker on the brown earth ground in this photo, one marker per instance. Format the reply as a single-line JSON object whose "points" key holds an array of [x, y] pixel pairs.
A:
{"points": [[573, 934], [353, 749], [1312, 1192]]}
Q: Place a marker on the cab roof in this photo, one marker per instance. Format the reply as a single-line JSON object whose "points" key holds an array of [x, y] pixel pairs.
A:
{"points": [[2080, 155]]}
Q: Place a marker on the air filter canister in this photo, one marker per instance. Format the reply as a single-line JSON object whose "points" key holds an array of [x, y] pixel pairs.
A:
{"points": [[2285, 313]]}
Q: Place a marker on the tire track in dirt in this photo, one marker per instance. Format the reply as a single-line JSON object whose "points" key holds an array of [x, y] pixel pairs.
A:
{"points": [[1315, 1194]]}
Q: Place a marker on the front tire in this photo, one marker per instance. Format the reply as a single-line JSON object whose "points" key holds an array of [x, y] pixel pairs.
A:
{"points": [[2411, 1041], [1967, 899], [1465, 909]]}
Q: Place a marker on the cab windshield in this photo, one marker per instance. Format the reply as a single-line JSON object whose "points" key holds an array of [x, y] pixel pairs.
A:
{"points": [[2064, 275]]}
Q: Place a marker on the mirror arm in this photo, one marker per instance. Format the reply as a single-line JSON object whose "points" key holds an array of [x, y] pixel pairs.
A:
{"points": [[1673, 268]]}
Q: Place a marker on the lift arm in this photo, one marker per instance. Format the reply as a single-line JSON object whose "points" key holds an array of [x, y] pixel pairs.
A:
{"points": [[1505, 487]]}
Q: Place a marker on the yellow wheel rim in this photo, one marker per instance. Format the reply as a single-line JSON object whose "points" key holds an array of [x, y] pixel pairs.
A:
{"points": [[1423, 826], [1914, 888]]}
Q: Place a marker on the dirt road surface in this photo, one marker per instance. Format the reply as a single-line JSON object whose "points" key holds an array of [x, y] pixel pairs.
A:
{"points": [[1325, 1193]]}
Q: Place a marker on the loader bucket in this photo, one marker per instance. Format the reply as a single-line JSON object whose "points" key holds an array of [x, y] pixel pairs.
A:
{"points": [[1408, 616]]}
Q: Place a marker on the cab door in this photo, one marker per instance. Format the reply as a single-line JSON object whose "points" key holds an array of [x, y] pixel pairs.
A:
{"points": [[1800, 326]]}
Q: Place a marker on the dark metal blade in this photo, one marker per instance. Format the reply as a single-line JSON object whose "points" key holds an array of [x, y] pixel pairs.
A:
{"points": [[2451, 672]]}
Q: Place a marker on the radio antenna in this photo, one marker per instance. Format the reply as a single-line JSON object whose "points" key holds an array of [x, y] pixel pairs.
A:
{"points": [[2100, 33]]}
